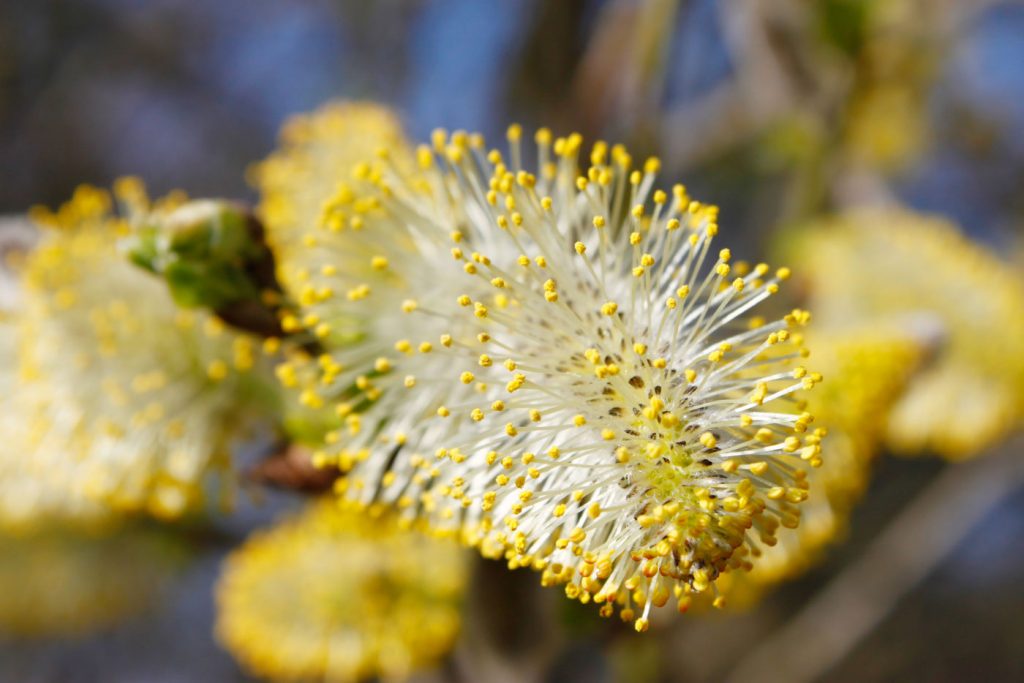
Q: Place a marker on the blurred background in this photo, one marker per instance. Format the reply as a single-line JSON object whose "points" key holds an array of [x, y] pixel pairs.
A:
{"points": [[777, 111]]}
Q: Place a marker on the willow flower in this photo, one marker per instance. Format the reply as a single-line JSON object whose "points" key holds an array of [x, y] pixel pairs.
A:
{"points": [[886, 266], [333, 596], [557, 367], [139, 398], [58, 582]]}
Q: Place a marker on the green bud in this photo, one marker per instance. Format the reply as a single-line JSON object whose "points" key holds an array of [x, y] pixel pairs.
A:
{"points": [[211, 254], [205, 251]]}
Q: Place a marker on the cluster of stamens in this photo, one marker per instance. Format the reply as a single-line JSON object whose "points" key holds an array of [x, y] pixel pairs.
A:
{"points": [[552, 367]]}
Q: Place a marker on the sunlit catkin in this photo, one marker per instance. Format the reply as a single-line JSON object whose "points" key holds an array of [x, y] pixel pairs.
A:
{"points": [[553, 363]]}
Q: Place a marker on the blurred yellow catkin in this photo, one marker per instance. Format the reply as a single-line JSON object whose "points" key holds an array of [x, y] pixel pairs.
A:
{"points": [[333, 596], [316, 155], [60, 582], [891, 266], [139, 398]]}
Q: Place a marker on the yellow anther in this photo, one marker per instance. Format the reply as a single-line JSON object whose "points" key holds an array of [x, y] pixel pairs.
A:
{"points": [[759, 394], [217, 370], [517, 382], [271, 346]]}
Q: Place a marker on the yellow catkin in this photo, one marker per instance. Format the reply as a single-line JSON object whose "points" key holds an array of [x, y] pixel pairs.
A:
{"points": [[303, 186], [582, 377], [338, 596], [121, 397], [894, 267]]}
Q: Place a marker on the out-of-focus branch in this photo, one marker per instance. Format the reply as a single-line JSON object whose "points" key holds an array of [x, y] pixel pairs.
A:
{"points": [[509, 634], [771, 80], [291, 468], [621, 76], [857, 600], [779, 71]]}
